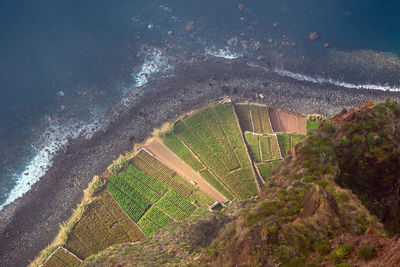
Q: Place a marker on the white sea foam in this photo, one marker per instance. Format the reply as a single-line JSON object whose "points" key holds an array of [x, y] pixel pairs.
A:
{"points": [[54, 138], [320, 80], [224, 53], [155, 61]]}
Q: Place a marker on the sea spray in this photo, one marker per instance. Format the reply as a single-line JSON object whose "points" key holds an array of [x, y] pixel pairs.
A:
{"points": [[321, 80], [223, 53], [155, 61], [53, 139]]}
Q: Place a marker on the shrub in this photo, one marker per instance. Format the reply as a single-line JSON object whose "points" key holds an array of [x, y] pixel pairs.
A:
{"points": [[164, 131], [298, 262], [118, 165], [340, 253], [366, 252], [323, 248], [282, 253]]}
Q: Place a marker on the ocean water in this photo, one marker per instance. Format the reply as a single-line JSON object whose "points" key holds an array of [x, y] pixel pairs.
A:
{"points": [[65, 64]]}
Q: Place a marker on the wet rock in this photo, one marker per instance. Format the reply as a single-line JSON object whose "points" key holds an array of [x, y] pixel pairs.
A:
{"points": [[189, 27], [314, 36], [26, 173]]}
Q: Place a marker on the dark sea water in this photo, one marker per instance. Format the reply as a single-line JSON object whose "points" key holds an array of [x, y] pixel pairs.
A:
{"points": [[64, 64]]}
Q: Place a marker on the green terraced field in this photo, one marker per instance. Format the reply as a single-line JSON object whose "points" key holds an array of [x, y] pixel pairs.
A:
{"points": [[153, 221], [214, 136], [263, 147], [174, 143], [156, 169], [254, 118], [215, 183]]}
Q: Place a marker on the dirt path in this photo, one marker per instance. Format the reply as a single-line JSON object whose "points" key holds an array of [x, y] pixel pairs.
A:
{"points": [[175, 163]]}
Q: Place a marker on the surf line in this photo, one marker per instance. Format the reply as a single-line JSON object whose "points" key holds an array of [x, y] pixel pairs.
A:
{"points": [[321, 80]]}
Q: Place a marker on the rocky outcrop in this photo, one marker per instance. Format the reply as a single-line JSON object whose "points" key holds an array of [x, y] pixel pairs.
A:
{"points": [[320, 203]]}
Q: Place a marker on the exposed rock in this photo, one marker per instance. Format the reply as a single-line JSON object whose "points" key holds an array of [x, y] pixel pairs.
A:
{"points": [[320, 203], [314, 36], [189, 27]]}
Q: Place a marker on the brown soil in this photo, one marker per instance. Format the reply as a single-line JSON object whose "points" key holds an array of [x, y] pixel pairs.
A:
{"points": [[172, 161], [287, 122]]}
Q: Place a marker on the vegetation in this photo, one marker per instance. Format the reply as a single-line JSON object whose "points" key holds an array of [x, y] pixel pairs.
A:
{"points": [[143, 190], [133, 203], [212, 134], [313, 122], [366, 252], [288, 141], [62, 257], [153, 221], [164, 131], [118, 164], [216, 184], [267, 168], [254, 118], [150, 165], [175, 144], [339, 254]]}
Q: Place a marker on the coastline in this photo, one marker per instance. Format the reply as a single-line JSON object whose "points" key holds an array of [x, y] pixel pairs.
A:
{"points": [[31, 222]]}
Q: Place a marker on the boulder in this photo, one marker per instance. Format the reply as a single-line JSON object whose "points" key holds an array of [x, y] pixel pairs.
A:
{"points": [[318, 202]]}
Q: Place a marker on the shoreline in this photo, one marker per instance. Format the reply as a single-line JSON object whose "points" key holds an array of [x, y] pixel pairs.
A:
{"points": [[31, 222]]}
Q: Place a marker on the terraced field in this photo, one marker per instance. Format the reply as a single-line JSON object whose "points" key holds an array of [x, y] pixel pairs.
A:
{"points": [[254, 118], [214, 137], [103, 223], [219, 143], [62, 257]]}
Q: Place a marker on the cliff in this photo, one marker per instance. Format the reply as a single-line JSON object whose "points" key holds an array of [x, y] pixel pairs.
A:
{"points": [[334, 200]]}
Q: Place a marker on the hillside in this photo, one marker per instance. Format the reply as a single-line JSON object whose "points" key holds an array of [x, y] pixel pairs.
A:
{"points": [[201, 163], [332, 202]]}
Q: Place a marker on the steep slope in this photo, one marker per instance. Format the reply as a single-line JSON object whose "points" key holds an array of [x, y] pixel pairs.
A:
{"points": [[322, 206]]}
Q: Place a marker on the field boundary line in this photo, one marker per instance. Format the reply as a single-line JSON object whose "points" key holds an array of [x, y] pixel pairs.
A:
{"points": [[259, 149], [196, 172], [127, 216], [205, 168], [269, 119], [66, 250], [251, 120], [226, 138], [191, 130], [256, 178]]}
